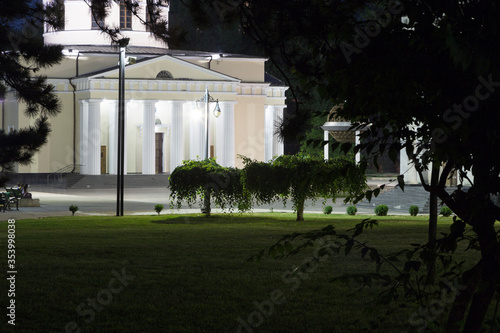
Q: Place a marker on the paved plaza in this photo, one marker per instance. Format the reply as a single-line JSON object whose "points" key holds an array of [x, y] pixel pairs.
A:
{"points": [[138, 201]]}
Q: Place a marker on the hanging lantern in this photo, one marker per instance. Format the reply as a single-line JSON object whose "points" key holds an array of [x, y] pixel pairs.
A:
{"points": [[340, 136]]}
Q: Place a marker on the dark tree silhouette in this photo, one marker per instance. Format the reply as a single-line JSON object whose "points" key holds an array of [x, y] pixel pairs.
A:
{"points": [[423, 74]]}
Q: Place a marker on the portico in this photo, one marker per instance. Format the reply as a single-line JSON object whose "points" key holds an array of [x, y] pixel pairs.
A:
{"points": [[160, 134]]}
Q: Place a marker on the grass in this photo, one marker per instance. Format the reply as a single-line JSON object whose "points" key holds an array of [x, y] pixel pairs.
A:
{"points": [[189, 276]]}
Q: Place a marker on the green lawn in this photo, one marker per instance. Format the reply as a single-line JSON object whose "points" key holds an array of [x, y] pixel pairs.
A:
{"points": [[186, 274]]}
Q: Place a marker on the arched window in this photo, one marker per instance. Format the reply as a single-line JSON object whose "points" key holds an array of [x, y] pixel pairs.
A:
{"points": [[164, 75], [125, 17]]}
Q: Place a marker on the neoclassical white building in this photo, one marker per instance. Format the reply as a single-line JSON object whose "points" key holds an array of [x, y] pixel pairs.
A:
{"points": [[164, 122]]}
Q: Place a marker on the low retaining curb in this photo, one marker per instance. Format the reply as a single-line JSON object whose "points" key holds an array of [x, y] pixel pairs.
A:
{"points": [[28, 202]]}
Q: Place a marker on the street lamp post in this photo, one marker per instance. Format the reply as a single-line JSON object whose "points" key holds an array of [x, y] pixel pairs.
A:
{"points": [[121, 129], [207, 99]]}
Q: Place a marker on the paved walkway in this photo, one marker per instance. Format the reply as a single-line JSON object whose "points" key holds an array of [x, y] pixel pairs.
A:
{"points": [[137, 201]]}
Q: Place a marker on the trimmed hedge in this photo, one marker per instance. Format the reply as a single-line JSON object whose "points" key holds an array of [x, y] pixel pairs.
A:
{"points": [[327, 210], [381, 210], [413, 210], [445, 211], [352, 210]]}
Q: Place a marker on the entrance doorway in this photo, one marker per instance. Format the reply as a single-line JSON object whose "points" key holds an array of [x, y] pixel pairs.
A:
{"points": [[159, 152], [103, 160]]}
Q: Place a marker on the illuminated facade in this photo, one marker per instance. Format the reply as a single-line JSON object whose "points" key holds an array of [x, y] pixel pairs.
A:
{"points": [[164, 123]]}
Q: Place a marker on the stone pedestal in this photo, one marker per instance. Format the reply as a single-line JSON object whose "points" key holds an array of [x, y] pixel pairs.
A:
{"points": [[28, 202]]}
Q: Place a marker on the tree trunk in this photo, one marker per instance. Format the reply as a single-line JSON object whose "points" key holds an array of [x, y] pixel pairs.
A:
{"points": [[431, 264], [300, 210], [432, 232], [483, 223], [489, 274], [206, 203], [463, 298]]}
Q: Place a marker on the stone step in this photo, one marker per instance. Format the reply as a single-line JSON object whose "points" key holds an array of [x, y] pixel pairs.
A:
{"points": [[72, 179], [400, 201], [66, 181]]}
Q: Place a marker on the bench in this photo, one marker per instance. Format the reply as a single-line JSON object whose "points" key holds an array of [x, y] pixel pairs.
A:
{"points": [[4, 201], [14, 196]]}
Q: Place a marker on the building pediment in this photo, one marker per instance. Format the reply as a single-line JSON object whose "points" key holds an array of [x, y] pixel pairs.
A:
{"points": [[164, 68]]}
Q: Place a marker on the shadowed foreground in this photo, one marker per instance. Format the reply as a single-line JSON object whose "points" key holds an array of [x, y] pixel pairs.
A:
{"points": [[176, 273]]}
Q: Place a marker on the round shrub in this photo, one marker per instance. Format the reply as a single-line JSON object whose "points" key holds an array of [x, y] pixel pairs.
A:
{"points": [[327, 210], [352, 210], [445, 211], [413, 210], [381, 210], [158, 208], [73, 209]]}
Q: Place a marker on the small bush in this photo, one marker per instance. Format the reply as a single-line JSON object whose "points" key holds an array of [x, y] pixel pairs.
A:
{"points": [[413, 210], [352, 210], [158, 208], [327, 210], [445, 211], [73, 209], [381, 210]]}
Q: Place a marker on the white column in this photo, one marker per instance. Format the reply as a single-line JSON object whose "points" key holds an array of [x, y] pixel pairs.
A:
{"points": [[113, 137], [466, 181], [197, 133], [268, 133], [326, 138], [125, 153], [407, 169], [177, 134], [224, 135], [357, 142], [148, 137], [230, 151], [84, 136], [186, 132], [278, 146], [94, 142]]}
